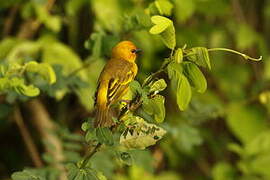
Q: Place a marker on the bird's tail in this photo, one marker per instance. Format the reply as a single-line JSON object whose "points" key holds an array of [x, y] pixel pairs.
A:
{"points": [[103, 115]]}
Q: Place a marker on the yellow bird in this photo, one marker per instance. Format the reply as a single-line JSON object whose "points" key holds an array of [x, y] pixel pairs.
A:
{"points": [[114, 80]]}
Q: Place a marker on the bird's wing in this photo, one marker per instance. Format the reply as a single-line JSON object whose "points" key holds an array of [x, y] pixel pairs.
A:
{"points": [[119, 84], [120, 73]]}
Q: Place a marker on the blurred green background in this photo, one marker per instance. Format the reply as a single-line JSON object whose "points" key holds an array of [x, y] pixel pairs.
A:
{"points": [[223, 135]]}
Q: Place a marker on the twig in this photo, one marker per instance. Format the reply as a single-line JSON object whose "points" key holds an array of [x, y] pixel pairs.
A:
{"points": [[237, 9], [46, 128], [9, 20], [33, 152], [236, 52], [29, 28], [85, 65], [151, 77], [88, 156]]}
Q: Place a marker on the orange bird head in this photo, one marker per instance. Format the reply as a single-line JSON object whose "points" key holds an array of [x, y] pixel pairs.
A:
{"points": [[125, 50]]}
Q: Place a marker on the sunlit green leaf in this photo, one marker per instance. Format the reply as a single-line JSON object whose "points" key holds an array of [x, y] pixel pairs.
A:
{"points": [[96, 39], [184, 9], [6, 45], [104, 136], [174, 70], [200, 56], [29, 90], [26, 49], [184, 94], [19, 86], [85, 126], [178, 56], [155, 106], [164, 7], [44, 69], [161, 24], [223, 171], [52, 22], [195, 77], [180, 85], [135, 86], [165, 28], [158, 85]]}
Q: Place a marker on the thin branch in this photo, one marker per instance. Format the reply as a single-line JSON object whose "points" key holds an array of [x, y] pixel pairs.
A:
{"points": [[29, 28], [33, 152], [45, 126], [236, 52], [237, 9], [85, 65], [9, 20], [88, 156]]}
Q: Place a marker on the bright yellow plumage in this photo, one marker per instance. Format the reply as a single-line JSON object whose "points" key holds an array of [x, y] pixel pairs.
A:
{"points": [[113, 81]]}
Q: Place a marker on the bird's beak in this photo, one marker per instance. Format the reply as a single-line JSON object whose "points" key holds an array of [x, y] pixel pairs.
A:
{"points": [[138, 51]]}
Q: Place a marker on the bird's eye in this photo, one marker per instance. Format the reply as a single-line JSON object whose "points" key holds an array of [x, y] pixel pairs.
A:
{"points": [[133, 50]]}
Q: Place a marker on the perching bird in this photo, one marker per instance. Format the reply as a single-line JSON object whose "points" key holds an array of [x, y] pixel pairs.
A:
{"points": [[114, 80]]}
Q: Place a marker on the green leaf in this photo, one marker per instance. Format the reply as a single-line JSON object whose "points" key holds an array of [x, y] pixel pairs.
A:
{"points": [[85, 126], [72, 7], [4, 84], [23, 50], [152, 8], [256, 157], [180, 85], [18, 85], [6, 45], [164, 7], [135, 86], [184, 94], [223, 171], [260, 144], [252, 117], [158, 85], [143, 18], [90, 135], [76, 173], [44, 69], [108, 13], [96, 39], [200, 56], [104, 136], [195, 77], [155, 106], [178, 56], [26, 175], [161, 24], [184, 9], [165, 28], [148, 106], [186, 137], [144, 135], [30, 90], [245, 36], [174, 71], [50, 21], [159, 108], [58, 54]]}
